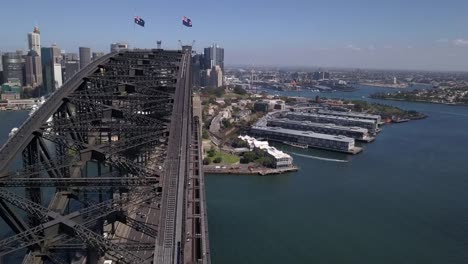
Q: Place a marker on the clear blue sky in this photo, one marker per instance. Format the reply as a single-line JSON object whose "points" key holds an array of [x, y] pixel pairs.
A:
{"points": [[409, 34]]}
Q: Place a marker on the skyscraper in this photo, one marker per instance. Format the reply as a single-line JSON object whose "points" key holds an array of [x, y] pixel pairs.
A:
{"points": [[197, 67], [51, 68], [34, 41], [118, 46], [85, 56], [1, 64], [70, 65], [13, 67], [33, 69], [214, 55]]}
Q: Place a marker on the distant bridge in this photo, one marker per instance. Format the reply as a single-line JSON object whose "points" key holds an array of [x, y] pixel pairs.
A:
{"points": [[109, 168]]}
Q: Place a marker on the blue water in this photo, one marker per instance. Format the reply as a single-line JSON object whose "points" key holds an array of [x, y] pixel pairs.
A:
{"points": [[403, 200]]}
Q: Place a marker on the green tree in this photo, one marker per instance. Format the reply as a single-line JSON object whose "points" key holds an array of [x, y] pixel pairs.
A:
{"points": [[266, 162], [249, 157], [239, 90], [226, 123], [239, 143], [205, 134], [206, 161], [218, 160], [211, 152]]}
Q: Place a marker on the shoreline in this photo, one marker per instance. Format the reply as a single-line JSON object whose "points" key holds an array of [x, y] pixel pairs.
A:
{"points": [[418, 101], [262, 171], [376, 85]]}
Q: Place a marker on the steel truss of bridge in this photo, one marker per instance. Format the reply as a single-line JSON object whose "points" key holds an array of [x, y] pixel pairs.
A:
{"points": [[108, 168]]}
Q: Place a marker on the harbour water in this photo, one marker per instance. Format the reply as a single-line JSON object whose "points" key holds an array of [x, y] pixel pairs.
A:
{"points": [[403, 200]]}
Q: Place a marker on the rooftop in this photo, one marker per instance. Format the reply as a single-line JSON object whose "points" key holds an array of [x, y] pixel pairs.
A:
{"points": [[253, 142], [305, 134], [323, 111], [333, 117], [312, 124]]}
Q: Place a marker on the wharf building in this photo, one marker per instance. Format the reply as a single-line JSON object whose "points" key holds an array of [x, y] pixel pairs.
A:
{"points": [[358, 133], [371, 125], [281, 159], [376, 118], [307, 138]]}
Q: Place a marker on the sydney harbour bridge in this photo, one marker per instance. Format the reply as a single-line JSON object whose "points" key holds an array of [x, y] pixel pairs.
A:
{"points": [[109, 168]]}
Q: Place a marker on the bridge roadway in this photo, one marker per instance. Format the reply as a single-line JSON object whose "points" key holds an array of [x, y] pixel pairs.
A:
{"points": [[168, 245], [146, 207]]}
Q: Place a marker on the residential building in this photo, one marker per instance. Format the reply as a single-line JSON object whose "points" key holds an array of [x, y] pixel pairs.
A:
{"points": [[261, 106], [85, 56], [280, 159]]}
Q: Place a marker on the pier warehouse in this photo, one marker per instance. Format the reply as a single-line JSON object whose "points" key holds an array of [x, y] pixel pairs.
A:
{"points": [[357, 133], [375, 118], [371, 125], [311, 139]]}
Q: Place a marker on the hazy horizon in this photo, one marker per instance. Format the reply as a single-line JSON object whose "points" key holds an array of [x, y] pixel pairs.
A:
{"points": [[417, 35]]}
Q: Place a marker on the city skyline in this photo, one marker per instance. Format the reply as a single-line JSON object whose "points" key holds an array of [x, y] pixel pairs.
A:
{"points": [[362, 34]]}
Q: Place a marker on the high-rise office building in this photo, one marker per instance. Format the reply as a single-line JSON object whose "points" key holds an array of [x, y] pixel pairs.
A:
{"points": [[70, 65], [214, 76], [13, 67], [85, 56], [97, 55], [34, 41], [51, 69], [118, 46], [197, 67], [33, 68], [69, 57], [214, 55]]}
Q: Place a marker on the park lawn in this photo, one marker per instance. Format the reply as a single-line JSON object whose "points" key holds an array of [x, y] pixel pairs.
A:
{"points": [[227, 158]]}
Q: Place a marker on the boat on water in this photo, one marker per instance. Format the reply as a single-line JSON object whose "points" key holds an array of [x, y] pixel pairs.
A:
{"points": [[400, 120], [13, 131]]}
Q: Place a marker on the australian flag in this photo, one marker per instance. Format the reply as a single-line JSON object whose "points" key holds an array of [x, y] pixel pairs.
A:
{"points": [[139, 21], [187, 22]]}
